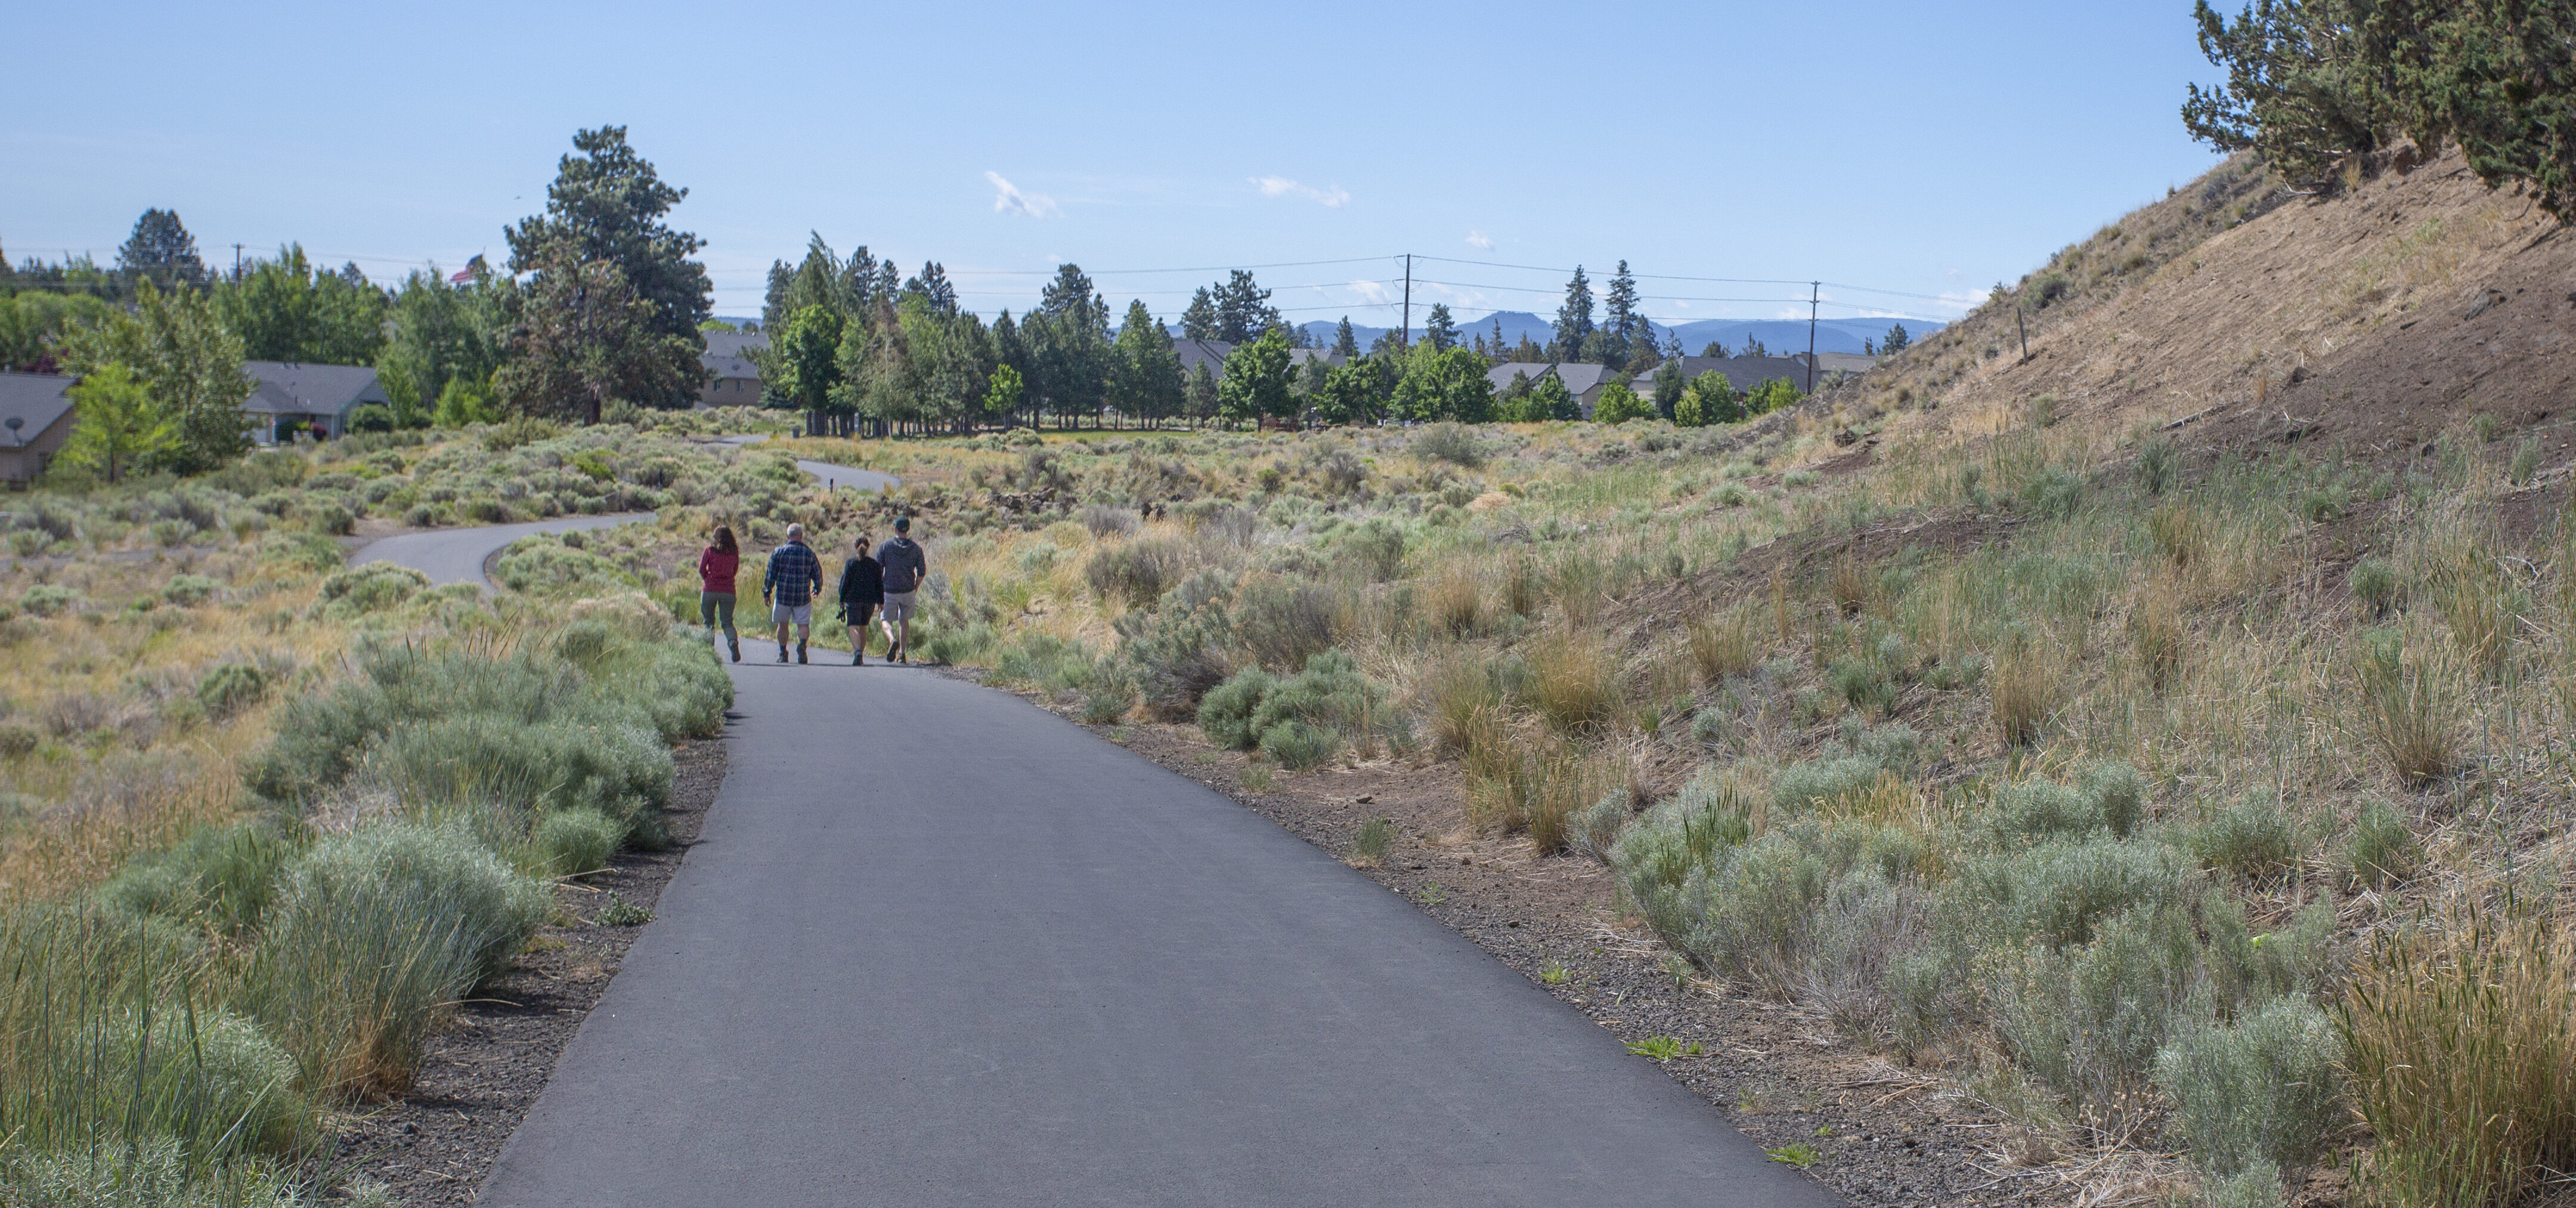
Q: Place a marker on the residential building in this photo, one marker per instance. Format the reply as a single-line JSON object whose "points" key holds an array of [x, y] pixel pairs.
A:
{"points": [[732, 379], [1584, 382], [291, 398], [36, 417], [1743, 373], [1212, 353]]}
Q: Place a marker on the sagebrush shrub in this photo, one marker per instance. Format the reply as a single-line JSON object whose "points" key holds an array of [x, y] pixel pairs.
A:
{"points": [[369, 587], [230, 688], [1298, 746], [1225, 714], [2088, 1020], [1283, 621], [220, 878], [2254, 838], [1138, 572], [2382, 849], [575, 841], [1452, 443], [2265, 1091]]}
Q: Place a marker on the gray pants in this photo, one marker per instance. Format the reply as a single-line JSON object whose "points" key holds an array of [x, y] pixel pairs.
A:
{"points": [[713, 605]]}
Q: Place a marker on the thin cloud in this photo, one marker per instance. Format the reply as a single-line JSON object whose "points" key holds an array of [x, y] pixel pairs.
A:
{"points": [[1333, 198], [1480, 241], [1371, 291], [1008, 199]]}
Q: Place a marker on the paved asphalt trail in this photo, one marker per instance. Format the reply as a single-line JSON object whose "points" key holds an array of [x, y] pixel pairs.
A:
{"points": [[937, 947], [831, 473], [457, 555]]}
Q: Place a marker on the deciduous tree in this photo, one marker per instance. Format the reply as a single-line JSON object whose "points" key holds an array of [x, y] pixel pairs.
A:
{"points": [[189, 364], [120, 427]]}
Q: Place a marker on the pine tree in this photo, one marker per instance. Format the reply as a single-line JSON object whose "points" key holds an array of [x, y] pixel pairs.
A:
{"points": [[1897, 339], [1346, 345], [161, 251], [1439, 329], [1619, 318], [1243, 309], [1574, 319], [1716, 349], [1146, 382], [1199, 321], [933, 287], [1068, 293], [607, 206]]}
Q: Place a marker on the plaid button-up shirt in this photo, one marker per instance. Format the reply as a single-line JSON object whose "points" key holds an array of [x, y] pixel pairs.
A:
{"points": [[794, 573]]}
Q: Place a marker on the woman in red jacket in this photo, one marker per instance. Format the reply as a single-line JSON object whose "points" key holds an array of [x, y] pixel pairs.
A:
{"points": [[716, 566]]}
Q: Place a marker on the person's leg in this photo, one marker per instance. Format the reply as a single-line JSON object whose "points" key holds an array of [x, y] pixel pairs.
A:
{"points": [[724, 617], [778, 614], [707, 612], [804, 631], [905, 643], [859, 633]]}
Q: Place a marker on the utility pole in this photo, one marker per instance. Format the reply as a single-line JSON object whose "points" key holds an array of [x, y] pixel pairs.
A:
{"points": [[1408, 300], [237, 264], [1812, 296], [2021, 327]]}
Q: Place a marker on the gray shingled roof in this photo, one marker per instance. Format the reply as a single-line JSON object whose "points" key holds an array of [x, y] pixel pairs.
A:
{"points": [[1743, 373], [37, 398], [295, 389], [1577, 376], [731, 343]]}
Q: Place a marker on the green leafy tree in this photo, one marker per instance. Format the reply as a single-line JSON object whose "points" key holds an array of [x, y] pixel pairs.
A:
{"points": [[1574, 318], [1716, 397], [1002, 394], [1772, 396], [438, 333], [1442, 384], [606, 206], [804, 357], [2300, 86], [1145, 379], [889, 386], [1688, 412], [1549, 399], [162, 252], [287, 309], [464, 401], [1618, 404], [120, 427], [32, 322], [1512, 402], [190, 367], [580, 337], [1257, 381]]}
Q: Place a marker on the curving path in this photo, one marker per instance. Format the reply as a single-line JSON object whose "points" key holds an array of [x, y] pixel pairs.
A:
{"points": [[459, 555], [831, 474], [939, 947]]}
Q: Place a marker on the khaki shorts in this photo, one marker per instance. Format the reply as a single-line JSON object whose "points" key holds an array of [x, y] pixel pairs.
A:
{"points": [[791, 614], [899, 606]]}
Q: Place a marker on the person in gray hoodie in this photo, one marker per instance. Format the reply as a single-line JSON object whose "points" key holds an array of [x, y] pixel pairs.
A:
{"points": [[901, 566]]}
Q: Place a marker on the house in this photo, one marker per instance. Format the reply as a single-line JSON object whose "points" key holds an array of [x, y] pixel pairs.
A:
{"points": [[289, 398], [1743, 373], [1831, 363], [1194, 353], [733, 379], [1584, 382], [35, 422]]}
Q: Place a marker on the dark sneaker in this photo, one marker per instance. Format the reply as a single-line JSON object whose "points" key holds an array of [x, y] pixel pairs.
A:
{"points": [[858, 658], [800, 652], [782, 654], [737, 649]]}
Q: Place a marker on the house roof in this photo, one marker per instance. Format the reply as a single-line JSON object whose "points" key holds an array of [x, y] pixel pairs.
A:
{"points": [[1577, 376], [731, 343], [298, 389], [1193, 353], [38, 399], [1743, 373]]}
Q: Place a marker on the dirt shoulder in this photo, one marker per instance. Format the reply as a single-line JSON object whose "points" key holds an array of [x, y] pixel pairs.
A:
{"points": [[434, 1145], [1878, 1134]]}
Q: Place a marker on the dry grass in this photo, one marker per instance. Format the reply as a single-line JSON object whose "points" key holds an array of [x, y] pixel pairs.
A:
{"points": [[1454, 603], [2026, 687], [2462, 1053], [1523, 780], [1574, 681], [2410, 707], [1722, 645], [2156, 635]]}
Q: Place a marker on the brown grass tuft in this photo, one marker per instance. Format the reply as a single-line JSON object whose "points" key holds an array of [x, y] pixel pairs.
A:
{"points": [[2409, 708], [1722, 645], [1519, 780], [1849, 585], [2025, 684], [1455, 601], [1574, 680], [2156, 635], [2461, 1044]]}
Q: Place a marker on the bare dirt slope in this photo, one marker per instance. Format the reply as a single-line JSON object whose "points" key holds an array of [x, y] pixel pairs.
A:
{"points": [[2410, 301]]}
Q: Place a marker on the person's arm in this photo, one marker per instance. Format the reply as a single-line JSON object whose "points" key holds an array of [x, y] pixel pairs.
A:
{"points": [[768, 578]]}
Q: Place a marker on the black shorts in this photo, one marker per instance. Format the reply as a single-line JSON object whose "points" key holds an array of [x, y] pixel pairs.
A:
{"points": [[858, 614]]}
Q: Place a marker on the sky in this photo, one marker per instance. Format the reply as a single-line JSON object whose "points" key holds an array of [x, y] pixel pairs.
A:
{"points": [[1910, 155]]}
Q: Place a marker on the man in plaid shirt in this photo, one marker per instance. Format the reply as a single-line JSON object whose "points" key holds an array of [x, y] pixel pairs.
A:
{"points": [[794, 575]]}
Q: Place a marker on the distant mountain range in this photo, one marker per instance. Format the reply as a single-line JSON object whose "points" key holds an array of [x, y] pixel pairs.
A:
{"points": [[1779, 336]]}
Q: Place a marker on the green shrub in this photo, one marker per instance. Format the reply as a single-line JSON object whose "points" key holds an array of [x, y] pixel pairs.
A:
{"points": [[576, 841], [2045, 809], [221, 878], [2056, 892], [301, 550], [2381, 850], [330, 518], [1374, 550], [188, 591], [1139, 572], [541, 565], [1282, 621], [1825, 785], [2254, 838], [1754, 916], [1862, 683], [2088, 1020], [1329, 693], [1179, 652], [2376, 585], [374, 938], [621, 771], [1298, 746], [1108, 702], [47, 599], [1452, 443], [369, 587], [1226, 713], [229, 688], [2117, 793], [2263, 1092]]}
